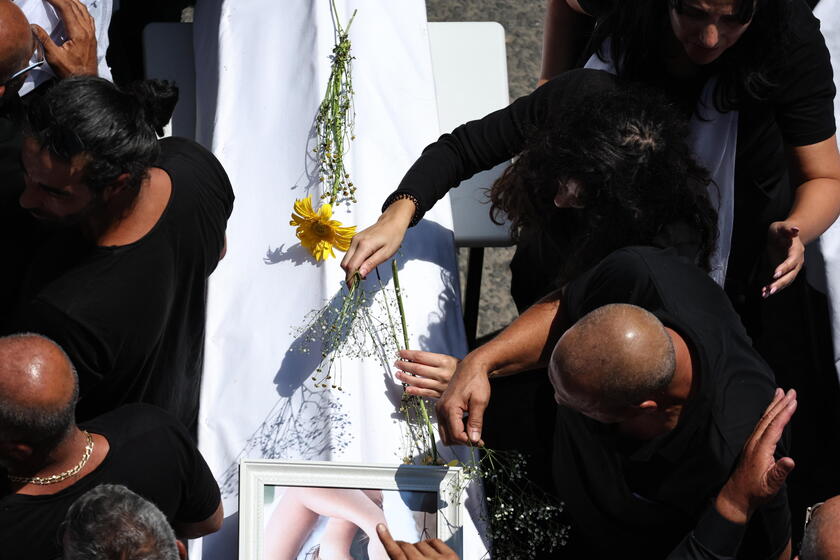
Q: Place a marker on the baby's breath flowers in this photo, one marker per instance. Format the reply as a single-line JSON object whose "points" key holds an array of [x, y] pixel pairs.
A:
{"points": [[334, 121], [349, 326], [317, 232], [522, 520]]}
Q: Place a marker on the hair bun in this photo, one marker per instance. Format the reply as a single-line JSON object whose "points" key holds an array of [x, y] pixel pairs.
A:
{"points": [[158, 99]]}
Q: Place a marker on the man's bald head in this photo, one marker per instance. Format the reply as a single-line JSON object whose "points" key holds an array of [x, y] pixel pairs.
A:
{"points": [[16, 39], [822, 535], [38, 390], [613, 358]]}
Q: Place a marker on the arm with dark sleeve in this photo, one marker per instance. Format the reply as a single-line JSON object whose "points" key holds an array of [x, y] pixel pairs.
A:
{"points": [[714, 538], [805, 114], [213, 196], [200, 512], [484, 143]]}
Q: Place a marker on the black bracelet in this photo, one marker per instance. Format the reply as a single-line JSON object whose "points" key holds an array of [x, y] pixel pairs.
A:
{"points": [[418, 213]]}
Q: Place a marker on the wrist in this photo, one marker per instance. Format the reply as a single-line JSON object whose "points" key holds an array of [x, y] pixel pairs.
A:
{"points": [[402, 207], [732, 506], [477, 362]]}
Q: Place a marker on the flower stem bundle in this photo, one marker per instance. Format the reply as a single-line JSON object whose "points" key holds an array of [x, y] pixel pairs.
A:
{"points": [[334, 121]]}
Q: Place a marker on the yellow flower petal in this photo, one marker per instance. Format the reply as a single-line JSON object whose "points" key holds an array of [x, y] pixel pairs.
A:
{"points": [[319, 234]]}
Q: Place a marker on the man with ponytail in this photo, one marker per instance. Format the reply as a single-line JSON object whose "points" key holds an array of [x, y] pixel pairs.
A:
{"points": [[138, 225]]}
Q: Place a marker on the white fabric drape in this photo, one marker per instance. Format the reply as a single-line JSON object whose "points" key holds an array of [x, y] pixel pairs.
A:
{"points": [[261, 69], [714, 136]]}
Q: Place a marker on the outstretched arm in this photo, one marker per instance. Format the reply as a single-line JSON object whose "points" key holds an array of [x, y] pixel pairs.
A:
{"points": [[472, 147], [524, 345], [816, 206]]}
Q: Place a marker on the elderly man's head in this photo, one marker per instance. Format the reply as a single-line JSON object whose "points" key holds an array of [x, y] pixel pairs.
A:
{"points": [[613, 363], [16, 46], [822, 534], [111, 521], [38, 394]]}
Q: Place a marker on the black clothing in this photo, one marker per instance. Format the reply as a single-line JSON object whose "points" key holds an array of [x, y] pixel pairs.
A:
{"points": [[131, 317], [792, 328], [150, 453], [631, 498], [714, 538], [19, 231]]}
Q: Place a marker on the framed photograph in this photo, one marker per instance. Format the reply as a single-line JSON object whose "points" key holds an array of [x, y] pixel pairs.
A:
{"points": [[308, 510]]}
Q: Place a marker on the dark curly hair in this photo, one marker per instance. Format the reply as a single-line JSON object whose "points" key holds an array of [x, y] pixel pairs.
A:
{"points": [[640, 182], [639, 29], [115, 128]]}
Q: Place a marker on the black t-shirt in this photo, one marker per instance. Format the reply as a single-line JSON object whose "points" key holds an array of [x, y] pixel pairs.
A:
{"points": [[131, 318], [150, 453], [645, 496]]}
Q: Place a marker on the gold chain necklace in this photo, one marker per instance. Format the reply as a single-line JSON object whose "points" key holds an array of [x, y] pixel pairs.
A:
{"points": [[52, 479]]}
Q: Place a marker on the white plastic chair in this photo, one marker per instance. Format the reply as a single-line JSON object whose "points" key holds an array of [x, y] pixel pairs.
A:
{"points": [[168, 55], [470, 71]]}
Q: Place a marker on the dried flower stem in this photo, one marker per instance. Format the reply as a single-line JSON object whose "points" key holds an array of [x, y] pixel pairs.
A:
{"points": [[422, 404], [334, 121]]}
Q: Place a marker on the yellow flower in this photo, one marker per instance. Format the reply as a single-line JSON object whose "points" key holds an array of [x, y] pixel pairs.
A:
{"points": [[317, 232]]}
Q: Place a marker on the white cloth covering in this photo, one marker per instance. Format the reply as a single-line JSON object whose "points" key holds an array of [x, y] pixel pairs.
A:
{"points": [[714, 136], [42, 13], [261, 70], [828, 249]]}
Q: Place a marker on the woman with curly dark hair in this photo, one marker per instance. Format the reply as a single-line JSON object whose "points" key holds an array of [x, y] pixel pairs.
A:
{"points": [[619, 161]]}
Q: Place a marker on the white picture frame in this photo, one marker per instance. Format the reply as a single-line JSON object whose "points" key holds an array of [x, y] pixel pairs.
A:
{"points": [[256, 474]]}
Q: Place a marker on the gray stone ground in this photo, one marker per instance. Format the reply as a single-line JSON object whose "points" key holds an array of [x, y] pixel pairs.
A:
{"points": [[522, 21]]}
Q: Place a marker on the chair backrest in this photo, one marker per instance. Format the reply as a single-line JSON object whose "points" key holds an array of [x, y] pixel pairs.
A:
{"points": [[168, 55], [470, 70]]}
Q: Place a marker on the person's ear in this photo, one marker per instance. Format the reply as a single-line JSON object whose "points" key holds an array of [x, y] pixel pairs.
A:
{"points": [[2, 91], [182, 550], [115, 188]]}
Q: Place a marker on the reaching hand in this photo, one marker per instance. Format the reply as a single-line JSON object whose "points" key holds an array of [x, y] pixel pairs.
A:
{"points": [[433, 549], [468, 393], [77, 55], [758, 476], [427, 374], [786, 252], [376, 244]]}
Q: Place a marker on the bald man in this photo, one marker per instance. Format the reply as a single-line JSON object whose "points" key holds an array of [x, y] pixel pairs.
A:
{"points": [[47, 461], [659, 388], [822, 532]]}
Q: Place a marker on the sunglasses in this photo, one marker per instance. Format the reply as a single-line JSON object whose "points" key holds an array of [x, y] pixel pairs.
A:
{"points": [[35, 61], [810, 512]]}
